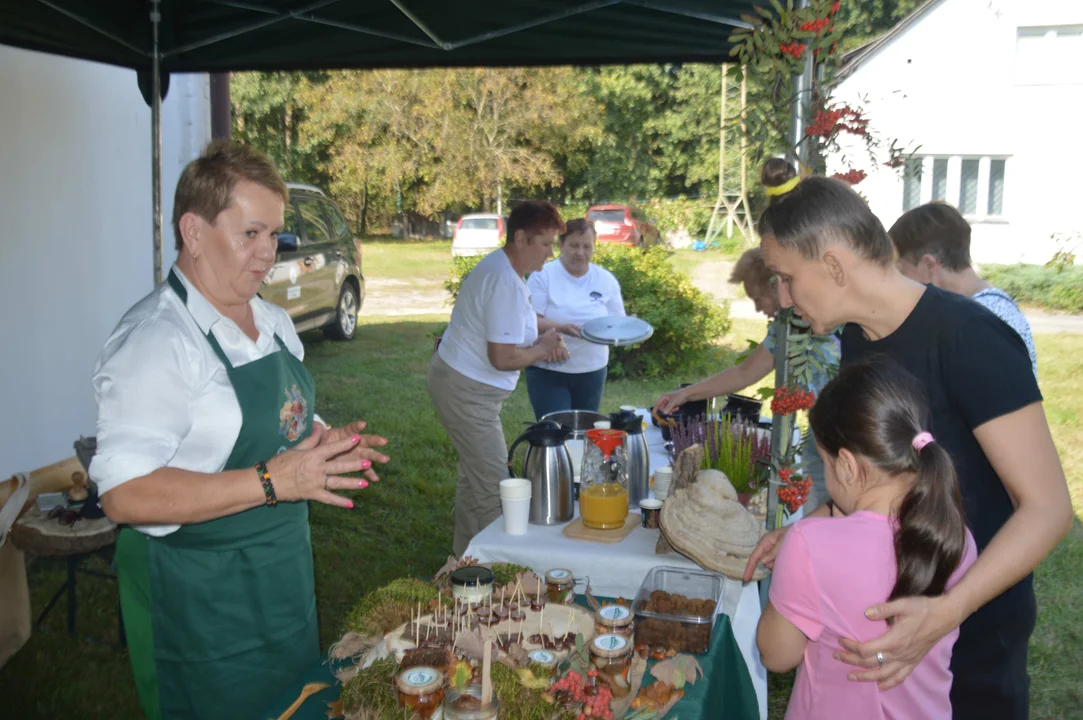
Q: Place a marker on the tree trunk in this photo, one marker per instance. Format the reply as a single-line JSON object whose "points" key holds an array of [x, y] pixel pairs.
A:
{"points": [[365, 210]]}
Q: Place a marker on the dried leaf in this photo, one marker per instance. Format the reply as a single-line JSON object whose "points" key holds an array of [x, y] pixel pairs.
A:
{"points": [[450, 566], [334, 709], [527, 679], [591, 600], [472, 644], [460, 676], [684, 666]]}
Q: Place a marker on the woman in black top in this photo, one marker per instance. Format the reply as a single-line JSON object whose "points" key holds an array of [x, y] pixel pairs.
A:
{"points": [[836, 265]]}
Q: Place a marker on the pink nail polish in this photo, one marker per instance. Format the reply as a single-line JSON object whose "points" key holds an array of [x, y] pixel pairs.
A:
{"points": [[350, 506], [366, 464], [355, 439], [363, 484]]}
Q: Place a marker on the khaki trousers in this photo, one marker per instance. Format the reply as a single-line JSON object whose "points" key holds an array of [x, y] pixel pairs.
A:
{"points": [[470, 413]]}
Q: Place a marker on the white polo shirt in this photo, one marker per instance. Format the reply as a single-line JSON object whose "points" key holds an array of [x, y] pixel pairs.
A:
{"points": [[493, 306], [164, 398], [559, 296]]}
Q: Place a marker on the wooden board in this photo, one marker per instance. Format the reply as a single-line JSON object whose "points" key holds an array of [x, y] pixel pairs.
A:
{"points": [[576, 530], [557, 618]]}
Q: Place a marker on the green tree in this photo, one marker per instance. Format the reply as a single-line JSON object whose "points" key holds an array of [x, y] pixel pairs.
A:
{"points": [[868, 19]]}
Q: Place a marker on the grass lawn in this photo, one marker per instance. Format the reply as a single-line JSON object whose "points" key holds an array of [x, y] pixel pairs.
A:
{"points": [[403, 525], [428, 261]]}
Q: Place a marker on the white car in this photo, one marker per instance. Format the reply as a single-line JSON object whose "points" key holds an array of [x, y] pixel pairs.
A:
{"points": [[477, 234]]}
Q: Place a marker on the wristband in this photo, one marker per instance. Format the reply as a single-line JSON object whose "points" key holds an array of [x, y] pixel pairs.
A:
{"points": [[265, 481]]}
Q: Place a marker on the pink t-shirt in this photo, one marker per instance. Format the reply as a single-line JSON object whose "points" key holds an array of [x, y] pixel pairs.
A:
{"points": [[827, 572]]}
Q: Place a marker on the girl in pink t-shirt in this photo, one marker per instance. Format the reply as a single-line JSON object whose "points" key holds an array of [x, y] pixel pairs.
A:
{"points": [[896, 529]]}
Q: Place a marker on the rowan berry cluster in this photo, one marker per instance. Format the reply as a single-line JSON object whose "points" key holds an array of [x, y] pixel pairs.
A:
{"points": [[788, 400], [793, 492], [594, 698]]}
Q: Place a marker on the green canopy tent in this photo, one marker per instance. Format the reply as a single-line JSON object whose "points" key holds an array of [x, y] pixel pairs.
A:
{"points": [[157, 37]]}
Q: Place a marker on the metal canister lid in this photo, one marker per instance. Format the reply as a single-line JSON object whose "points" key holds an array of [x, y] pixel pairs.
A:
{"points": [[610, 646], [560, 576], [613, 616], [420, 681]]}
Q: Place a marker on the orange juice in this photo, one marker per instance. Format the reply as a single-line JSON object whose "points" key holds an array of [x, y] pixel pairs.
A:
{"points": [[603, 506]]}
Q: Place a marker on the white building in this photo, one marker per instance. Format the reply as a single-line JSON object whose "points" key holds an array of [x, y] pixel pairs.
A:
{"points": [[76, 247], [990, 92]]}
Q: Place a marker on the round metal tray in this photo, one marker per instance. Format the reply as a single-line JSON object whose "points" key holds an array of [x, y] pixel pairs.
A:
{"points": [[617, 330]]}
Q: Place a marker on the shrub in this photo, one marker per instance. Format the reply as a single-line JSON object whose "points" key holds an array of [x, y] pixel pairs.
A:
{"points": [[1046, 287], [686, 321]]}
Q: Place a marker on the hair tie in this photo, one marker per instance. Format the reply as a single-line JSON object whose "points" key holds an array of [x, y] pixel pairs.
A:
{"points": [[921, 440], [775, 190]]}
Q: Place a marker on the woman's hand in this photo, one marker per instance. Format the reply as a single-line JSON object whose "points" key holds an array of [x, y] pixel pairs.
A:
{"points": [[670, 402], [314, 467], [363, 448], [552, 344], [766, 551], [920, 623], [571, 329]]}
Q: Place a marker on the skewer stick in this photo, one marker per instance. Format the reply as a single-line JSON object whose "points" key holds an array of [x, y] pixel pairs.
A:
{"points": [[569, 618], [486, 673], [539, 588], [520, 632]]}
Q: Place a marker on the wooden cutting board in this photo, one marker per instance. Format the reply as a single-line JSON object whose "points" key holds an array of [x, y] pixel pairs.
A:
{"points": [[576, 530]]}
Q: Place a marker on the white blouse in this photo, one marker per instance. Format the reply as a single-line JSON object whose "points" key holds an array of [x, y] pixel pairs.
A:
{"points": [[164, 398]]}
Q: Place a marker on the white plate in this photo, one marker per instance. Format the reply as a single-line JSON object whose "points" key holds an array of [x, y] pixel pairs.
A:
{"points": [[617, 330]]}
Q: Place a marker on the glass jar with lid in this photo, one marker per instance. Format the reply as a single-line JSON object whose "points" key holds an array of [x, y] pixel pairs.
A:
{"points": [[466, 704], [420, 689], [560, 586], [612, 655], [472, 584], [615, 620]]}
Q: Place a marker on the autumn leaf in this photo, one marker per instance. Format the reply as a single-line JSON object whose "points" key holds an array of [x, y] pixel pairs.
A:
{"points": [[678, 670], [460, 676], [527, 679]]}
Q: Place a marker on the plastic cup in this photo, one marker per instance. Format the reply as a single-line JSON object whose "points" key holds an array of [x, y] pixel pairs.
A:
{"points": [[516, 515], [514, 489], [602, 425], [663, 477], [651, 511]]}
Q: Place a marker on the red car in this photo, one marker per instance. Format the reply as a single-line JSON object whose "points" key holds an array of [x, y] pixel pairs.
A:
{"points": [[623, 224]]}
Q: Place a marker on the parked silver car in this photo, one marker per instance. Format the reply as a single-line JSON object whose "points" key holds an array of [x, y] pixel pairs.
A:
{"points": [[317, 276]]}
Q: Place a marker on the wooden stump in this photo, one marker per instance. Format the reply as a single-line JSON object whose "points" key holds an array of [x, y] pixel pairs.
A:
{"points": [[688, 463]]}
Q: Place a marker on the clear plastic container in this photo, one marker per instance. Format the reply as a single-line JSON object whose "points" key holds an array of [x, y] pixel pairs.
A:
{"points": [[687, 627]]}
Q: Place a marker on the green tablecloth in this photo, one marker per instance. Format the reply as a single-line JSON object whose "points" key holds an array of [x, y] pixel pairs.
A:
{"points": [[724, 692]]}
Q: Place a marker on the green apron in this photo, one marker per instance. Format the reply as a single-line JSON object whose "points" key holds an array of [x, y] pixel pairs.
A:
{"points": [[220, 615]]}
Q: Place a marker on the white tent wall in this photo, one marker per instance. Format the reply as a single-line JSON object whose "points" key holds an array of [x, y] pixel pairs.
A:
{"points": [[76, 240]]}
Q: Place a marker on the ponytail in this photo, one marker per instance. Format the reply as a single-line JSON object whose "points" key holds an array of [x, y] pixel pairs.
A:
{"points": [[876, 409], [931, 535]]}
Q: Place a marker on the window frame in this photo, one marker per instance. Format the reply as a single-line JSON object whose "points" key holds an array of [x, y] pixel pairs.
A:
{"points": [[316, 203]]}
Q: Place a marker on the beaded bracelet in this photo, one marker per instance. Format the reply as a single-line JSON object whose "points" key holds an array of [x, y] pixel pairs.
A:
{"points": [[265, 480]]}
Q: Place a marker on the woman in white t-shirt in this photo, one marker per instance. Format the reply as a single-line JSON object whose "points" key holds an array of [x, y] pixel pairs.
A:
{"points": [[567, 293], [492, 335]]}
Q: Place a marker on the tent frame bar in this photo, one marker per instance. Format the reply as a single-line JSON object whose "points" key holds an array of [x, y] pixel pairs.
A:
{"points": [[156, 140], [86, 23]]}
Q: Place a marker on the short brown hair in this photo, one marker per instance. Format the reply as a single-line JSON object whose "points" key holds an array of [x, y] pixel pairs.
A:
{"points": [[751, 269], [577, 227], [534, 216], [822, 210], [206, 184], [935, 228]]}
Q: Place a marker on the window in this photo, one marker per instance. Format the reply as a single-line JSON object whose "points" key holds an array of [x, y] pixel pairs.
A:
{"points": [[316, 228], [1049, 55], [291, 226], [968, 187], [940, 179], [912, 183], [338, 223], [478, 224], [996, 188], [606, 216]]}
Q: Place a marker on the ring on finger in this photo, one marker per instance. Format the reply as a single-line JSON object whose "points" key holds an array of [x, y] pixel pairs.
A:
{"points": [[880, 659], [325, 481]]}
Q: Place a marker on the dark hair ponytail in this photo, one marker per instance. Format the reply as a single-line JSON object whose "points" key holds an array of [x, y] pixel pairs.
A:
{"points": [[875, 408]]}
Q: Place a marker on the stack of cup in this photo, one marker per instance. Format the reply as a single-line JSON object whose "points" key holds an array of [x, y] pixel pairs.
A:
{"points": [[663, 476], [515, 503]]}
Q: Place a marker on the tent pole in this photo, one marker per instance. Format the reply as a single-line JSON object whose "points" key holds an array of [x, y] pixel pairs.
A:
{"points": [[156, 139]]}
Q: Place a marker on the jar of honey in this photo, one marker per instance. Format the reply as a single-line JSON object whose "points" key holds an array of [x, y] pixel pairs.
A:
{"points": [[560, 585], [466, 704], [612, 655], [420, 689], [615, 620]]}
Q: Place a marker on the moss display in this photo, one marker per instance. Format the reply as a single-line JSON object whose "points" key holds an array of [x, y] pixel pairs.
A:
{"points": [[506, 573], [371, 695], [388, 607]]}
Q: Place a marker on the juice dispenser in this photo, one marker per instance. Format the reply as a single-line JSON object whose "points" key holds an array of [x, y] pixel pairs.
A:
{"points": [[603, 497]]}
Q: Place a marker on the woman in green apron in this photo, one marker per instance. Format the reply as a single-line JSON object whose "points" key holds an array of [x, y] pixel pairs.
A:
{"points": [[208, 449]]}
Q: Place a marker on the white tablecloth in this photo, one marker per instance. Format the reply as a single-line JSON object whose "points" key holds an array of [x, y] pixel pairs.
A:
{"points": [[617, 570]]}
